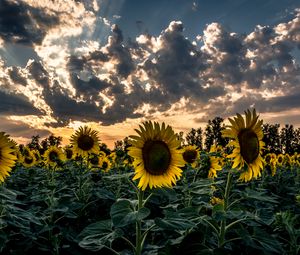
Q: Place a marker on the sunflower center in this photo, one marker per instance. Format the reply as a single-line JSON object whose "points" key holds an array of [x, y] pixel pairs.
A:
{"points": [[69, 154], [268, 158], [85, 142], [28, 160], [280, 159], [53, 156], [156, 157], [104, 165], [94, 160], [249, 145], [190, 156]]}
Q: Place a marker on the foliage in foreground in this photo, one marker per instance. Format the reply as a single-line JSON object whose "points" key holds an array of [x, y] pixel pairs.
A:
{"points": [[78, 211]]}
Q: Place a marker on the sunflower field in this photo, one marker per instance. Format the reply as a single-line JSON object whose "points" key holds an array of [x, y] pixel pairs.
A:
{"points": [[156, 195]]}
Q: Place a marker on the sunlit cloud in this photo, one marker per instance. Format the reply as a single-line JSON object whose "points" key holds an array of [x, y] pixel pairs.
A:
{"points": [[85, 71]]}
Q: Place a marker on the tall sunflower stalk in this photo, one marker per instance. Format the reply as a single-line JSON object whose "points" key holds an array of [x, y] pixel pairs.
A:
{"points": [[157, 162], [246, 135]]}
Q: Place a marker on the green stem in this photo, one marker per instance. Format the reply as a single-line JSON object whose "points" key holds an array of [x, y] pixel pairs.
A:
{"points": [[233, 223], [129, 242], [139, 241], [146, 200], [223, 222], [189, 203]]}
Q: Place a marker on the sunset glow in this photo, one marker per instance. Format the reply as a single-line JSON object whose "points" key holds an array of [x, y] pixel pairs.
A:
{"points": [[113, 64]]}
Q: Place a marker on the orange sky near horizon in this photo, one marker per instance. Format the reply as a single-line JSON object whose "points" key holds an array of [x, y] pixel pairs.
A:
{"points": [[110, 134]]}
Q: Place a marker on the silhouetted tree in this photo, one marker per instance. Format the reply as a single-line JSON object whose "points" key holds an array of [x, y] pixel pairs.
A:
{"points": [[50, 141], [272, 138], [180, 137], [35, 143], [213, 133], [121, 147], [297, 140], [288, 139], [194, 137]]}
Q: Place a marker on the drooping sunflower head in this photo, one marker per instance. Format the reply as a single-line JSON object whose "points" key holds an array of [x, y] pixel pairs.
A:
{"points": [[7, 157], [85, 141], [246, 135], [190, 155], [157, 159], [53, 156]]}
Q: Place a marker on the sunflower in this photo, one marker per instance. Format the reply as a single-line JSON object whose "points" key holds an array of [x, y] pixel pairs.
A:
{"points": [[296, 159], [268, 158], [280, 160], [270, 163], [7, 157], [69, 153], [53, 155], [105, 164], [113, 157], [94, 161], [28, 159], [157, 159], [85, 141], [216, 201], [287, 160], [215, 164], [190, 155], [247, 141]]}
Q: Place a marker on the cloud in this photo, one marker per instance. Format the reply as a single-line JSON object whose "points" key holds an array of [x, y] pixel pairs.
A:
{"points": [[16, 104], [77, 77], [174, 68], [21, 23]]}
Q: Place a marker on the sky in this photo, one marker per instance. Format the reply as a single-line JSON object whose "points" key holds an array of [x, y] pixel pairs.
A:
{"points": [[111, 64]]}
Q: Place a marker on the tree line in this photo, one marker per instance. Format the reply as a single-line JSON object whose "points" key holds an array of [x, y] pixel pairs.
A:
{"points": [[277, 140]]}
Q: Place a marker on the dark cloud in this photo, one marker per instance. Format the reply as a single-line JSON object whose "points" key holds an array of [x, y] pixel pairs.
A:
{"points": [[176, 66], [16, 76], [89, 89], [16, 104], [116, 50], [39, 73], [17, 128], [114, 81], [21, 23], [225, 53], [65, 108]]}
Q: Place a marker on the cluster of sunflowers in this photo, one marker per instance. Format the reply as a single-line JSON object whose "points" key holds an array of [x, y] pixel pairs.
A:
{"points": [[207, 164], [157, 155], [84, 147], [273, 162]]}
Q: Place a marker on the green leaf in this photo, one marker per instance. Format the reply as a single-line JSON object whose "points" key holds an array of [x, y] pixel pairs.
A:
{"points": [[123, 214], [175, 223], [98, 235], [260, 196], [267, 241]]}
